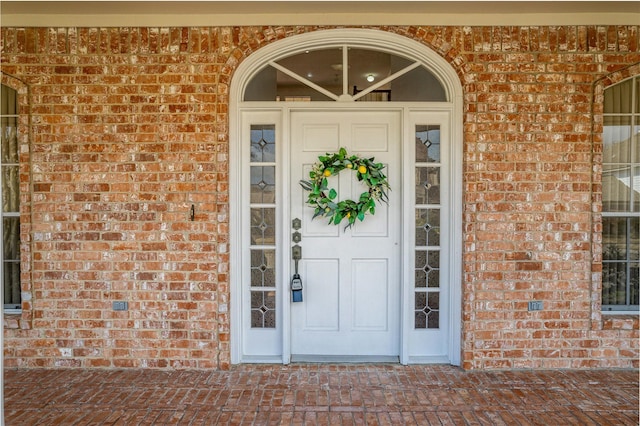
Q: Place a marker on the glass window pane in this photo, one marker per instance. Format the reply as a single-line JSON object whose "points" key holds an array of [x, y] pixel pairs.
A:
{"points": [[11, 282], [634, 238], [420, 268], [263, 268], [427, 144], [617, 99], [11, 237], [263, 184], [11, 261], [614, 238], [433, 268], [617, 139], [263, 143], [635, 143], [263, 221], [263, 86], [9, 136], [616, 188], [10, 189], [427, 269], [614, 283], [263, 309], [322, 67], [368, 67], [621, 252], [426, 310], [427, 185], [635, 189], [634, 272], [9, 101], [427, 227], [418, 85]]}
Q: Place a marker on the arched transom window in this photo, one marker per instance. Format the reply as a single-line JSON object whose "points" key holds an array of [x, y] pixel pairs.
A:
{"points": [[344, 73]]}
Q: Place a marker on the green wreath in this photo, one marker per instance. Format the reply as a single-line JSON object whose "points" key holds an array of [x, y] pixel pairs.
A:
{"points": [[322, 199]]}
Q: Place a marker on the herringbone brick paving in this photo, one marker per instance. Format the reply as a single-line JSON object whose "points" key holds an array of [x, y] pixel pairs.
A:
{"points": [[322, 394]]}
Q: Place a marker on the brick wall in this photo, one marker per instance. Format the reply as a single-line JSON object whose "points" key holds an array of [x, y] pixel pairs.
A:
{"points": [[129, 128]]}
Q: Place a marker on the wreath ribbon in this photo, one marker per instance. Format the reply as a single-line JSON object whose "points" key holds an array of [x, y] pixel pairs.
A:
{"points": [[323, 199]]}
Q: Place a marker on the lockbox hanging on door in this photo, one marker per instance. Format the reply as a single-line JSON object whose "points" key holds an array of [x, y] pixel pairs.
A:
{"points": [[296, 281]]}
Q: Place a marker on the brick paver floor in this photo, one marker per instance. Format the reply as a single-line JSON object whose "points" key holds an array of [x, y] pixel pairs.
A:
{"points": [[341, 394]]}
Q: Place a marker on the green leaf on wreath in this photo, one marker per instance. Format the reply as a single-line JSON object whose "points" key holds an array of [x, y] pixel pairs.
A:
{"points": [[332, 194], [306, 185]]}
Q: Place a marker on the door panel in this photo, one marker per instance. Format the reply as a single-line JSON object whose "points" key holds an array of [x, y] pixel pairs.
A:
{"points": [[351, 278], [370, 313]]}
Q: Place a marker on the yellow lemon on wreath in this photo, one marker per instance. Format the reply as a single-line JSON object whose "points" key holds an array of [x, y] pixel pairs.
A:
{"points": [[362, 170], [348, 215], [327, 173], [349, 166]]}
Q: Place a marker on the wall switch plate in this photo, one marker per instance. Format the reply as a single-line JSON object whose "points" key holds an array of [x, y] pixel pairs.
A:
{"points": [[535, 305], [120, 306]]}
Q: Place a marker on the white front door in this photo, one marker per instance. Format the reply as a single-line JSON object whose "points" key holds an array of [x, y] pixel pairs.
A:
{"points": [[351, 277]]}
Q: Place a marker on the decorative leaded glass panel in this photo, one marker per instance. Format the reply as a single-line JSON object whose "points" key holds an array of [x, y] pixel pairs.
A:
{"points": [[427, 269], [263, 309], [263, 143], [427, 227], [427, 310], [263, 268], [263, 184], [427, 185], [427, 144], [262, 198], [263, 222]]}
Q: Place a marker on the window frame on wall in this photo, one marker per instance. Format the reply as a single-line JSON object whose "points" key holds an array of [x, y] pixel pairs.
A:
{"points": [[620, 203], [10, 162]]}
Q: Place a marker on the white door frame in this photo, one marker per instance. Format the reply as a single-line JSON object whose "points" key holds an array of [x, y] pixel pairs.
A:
{"points": [[372, 39]]}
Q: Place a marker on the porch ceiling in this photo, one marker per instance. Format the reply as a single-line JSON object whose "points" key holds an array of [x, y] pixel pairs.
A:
{"points": [[239, 12]]}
